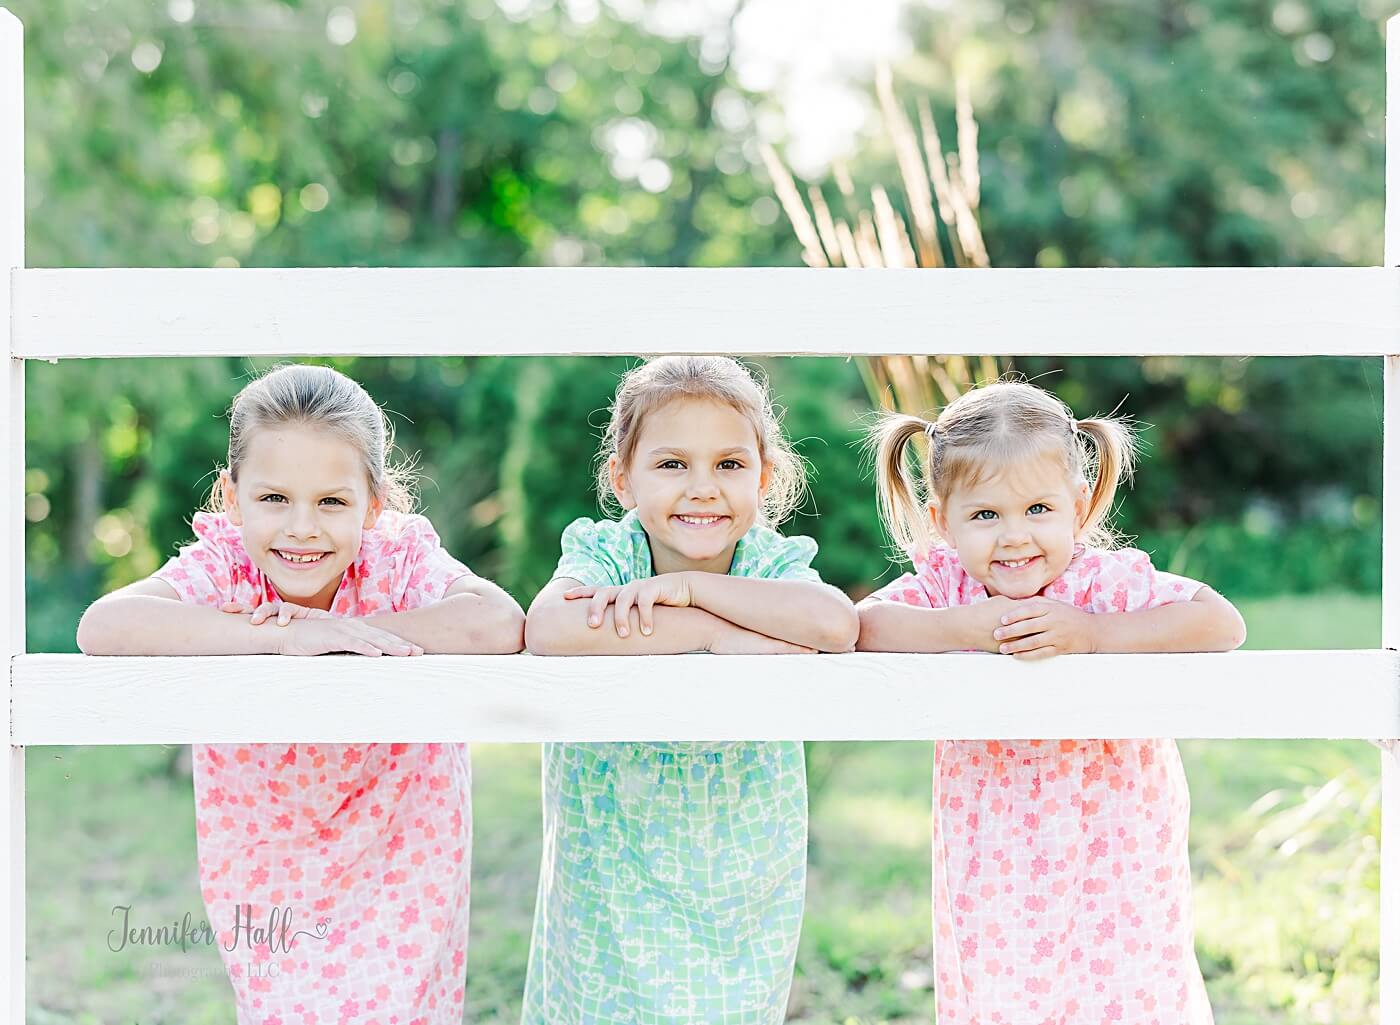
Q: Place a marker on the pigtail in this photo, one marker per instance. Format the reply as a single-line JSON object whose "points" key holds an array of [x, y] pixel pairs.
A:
{"points": [[901, 498], [1110, 449]]}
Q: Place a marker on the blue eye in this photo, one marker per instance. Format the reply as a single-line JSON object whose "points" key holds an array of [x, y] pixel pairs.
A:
{"points": [[1039, 505], [333, 501], [272, 498], [984, 514]]}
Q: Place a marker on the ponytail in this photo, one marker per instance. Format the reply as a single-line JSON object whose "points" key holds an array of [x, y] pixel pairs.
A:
{"points": [[902, 499], [1109, 450]]}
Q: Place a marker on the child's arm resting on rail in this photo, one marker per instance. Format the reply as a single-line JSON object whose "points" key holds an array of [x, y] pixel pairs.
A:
{"points": [[895, 626], [805, 612], [1038, 627], [474, 617], [148, 618], [560, 625]]}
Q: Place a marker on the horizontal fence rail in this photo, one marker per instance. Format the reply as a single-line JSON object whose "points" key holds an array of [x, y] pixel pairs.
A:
{"points": [[72, 699], [793, 311]]}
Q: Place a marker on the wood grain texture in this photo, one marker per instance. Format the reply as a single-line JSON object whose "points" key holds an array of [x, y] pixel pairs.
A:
{"points": [[531, 311], [73, 699]]}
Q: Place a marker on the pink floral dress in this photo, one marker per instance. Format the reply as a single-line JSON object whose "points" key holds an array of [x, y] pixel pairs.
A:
{"points": [[352, 860], [1061, 886]]}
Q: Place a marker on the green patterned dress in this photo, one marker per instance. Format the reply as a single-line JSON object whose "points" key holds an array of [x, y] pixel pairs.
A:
{"points": [[673, 875]]}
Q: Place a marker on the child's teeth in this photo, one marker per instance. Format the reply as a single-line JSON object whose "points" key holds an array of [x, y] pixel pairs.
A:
{"points": [[300, 558]]}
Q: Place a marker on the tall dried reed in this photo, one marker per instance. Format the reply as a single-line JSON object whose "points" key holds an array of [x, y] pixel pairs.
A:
{"points": [[939, 227]]}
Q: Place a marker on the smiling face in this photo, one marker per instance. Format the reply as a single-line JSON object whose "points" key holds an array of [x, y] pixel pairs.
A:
{"points": [[1015, 532], [301, 501], [697, 481]]}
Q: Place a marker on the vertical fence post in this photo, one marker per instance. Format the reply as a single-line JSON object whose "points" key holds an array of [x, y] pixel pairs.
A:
{"points": [[1390, 554], [11, 516]]}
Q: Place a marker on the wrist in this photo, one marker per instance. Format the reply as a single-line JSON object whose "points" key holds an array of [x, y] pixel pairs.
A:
{"points": [[720, 630], [1093, 631], [689, 581], [970, 632], [276, 637]]}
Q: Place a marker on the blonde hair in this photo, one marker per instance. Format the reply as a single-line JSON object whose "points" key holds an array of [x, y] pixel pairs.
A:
{"points": [[981, 432], [309, 396], [653, 384]]}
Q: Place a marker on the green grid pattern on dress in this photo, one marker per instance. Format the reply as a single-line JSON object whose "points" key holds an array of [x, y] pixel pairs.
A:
{"points": [[673, 876]]}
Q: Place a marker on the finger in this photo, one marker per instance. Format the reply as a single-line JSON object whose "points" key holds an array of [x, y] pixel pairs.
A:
{"points": [[1020, 628], [580, 592], [1024, 644], [622, 610], [389, 643], [1047, 651], [286, 613], [601, 599], [232, 606], [357, 646], [645, 604], [1023, 610], [264, 611]]}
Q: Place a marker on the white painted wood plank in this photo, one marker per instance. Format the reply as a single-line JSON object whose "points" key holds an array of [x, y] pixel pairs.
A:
{"points": [[12, 909], [72, 699], [1390, 558], [346, 311]]}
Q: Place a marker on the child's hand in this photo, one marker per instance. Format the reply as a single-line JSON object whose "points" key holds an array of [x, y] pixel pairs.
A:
{"points": [[739, 641], [988, 617], [285, 612], [1041, 627], [664, 589], [316, 635]]}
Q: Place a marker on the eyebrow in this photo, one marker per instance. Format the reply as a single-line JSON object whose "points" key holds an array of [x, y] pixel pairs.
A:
{"points": [[735, 450], [1042, 499], [267, 486]]}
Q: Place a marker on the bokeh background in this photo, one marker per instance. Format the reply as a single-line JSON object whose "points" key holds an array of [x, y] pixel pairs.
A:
{"points": [[261, 133]]}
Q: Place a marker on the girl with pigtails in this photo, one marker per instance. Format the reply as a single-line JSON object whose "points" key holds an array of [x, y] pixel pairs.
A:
{"points": [[1062, 889]]}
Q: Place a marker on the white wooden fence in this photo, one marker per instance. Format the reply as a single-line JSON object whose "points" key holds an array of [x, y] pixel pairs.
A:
{"points": [[62, 699]]}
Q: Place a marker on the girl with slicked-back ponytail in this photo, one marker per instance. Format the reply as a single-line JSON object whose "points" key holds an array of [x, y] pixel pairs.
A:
{"points": [[1061, 883], [310, 546]]}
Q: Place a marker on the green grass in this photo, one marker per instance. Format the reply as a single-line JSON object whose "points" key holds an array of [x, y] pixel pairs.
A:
{"points": [[1284, 840]]}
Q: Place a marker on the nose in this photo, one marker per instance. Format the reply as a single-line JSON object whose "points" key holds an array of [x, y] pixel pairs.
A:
{"points": [[701, 485], [1014, 532], [302, 522]]}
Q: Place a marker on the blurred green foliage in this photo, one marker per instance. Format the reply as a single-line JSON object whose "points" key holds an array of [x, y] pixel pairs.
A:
{"points": [[462, 132]]}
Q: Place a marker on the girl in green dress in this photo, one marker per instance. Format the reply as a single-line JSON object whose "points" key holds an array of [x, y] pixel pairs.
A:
{"points": [[673, 875]]}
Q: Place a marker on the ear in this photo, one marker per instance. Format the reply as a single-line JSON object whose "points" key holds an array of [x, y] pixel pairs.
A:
{"points": [[765, 480], [230, 496], [376, 506], [1081, 509], [617, 477], [940, 525]]}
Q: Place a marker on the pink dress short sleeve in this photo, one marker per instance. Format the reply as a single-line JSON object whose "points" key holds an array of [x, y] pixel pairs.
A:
{"points": [[1062, 889], [336, 876]]}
